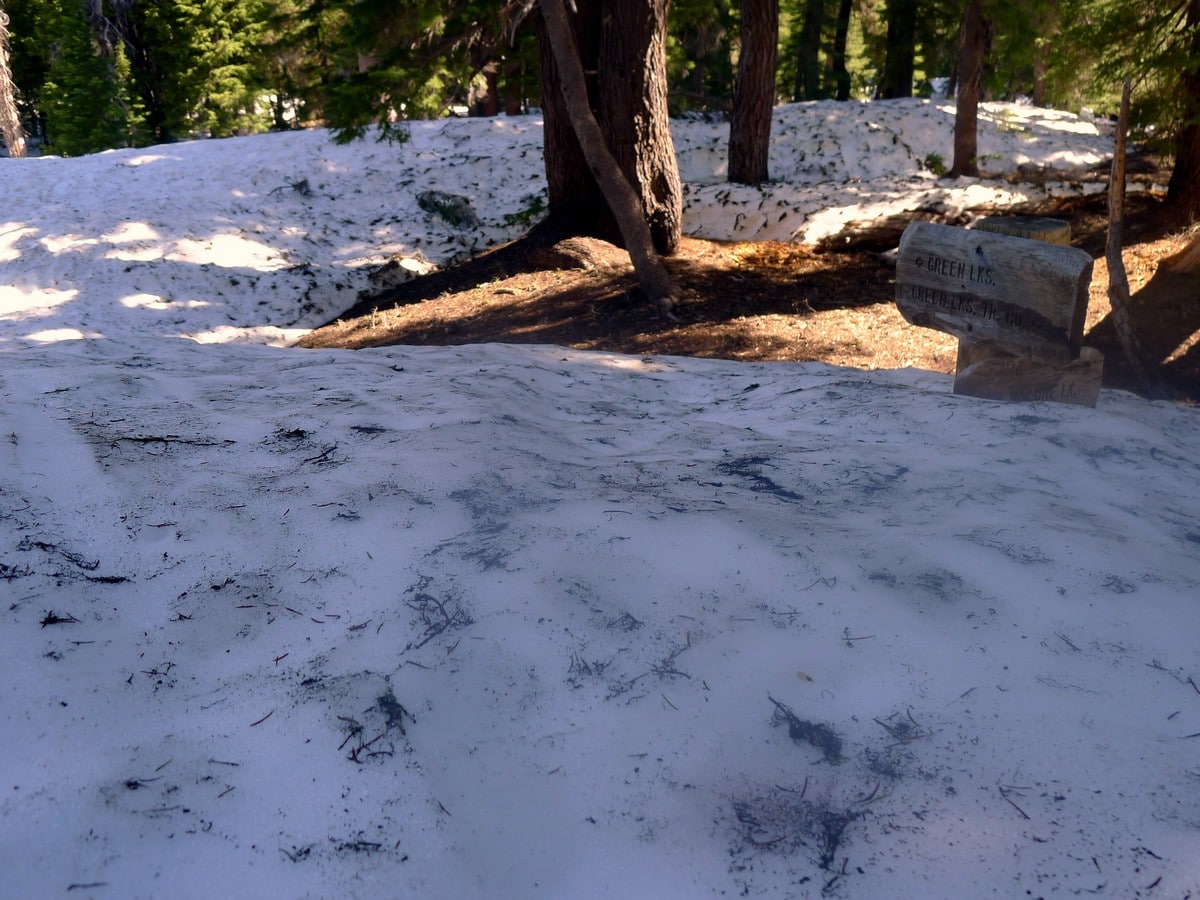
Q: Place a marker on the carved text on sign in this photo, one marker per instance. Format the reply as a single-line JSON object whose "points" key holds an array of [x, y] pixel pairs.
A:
{"points": [[955, 268], [964, 303], [982, 286]]}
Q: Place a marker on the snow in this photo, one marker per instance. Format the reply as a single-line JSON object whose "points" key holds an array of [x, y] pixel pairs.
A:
{"points": [[521, 621]]}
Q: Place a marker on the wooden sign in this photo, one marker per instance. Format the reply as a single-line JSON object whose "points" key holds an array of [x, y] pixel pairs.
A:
{"points": [[998, 374], [1018, 307], [982, 286]]}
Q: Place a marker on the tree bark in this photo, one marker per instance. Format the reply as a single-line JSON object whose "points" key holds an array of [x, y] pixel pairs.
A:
{"points": [[622, 49], [513, 96], [622, 199], [841, 75], [897, 77], [976, 39], [808, 48], [575, 202], [1183, 190], [489, 104], [10, 122], [754, 93], [633, 111]]}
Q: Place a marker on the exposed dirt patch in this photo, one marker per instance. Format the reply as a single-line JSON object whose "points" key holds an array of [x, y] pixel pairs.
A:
{"points": [[763, 301]]}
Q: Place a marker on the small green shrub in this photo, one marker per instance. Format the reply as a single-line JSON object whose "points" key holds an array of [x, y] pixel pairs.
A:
{"points": [[935, 163]]}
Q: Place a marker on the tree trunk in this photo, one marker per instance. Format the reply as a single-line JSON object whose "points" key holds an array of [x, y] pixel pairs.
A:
{"points": [[490, 105], [976, 39], [897, 77], [513, 97], [622, 47], [1041, 63], [574, 202], [1118, 281], [10, 122], [1044, 19], [841, 75], [754, 94], [623, 200], [1183, 190], [633, 111], [808, 48]]}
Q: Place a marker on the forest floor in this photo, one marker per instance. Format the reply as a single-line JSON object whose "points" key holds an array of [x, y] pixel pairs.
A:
{"points": [[760, 301]]}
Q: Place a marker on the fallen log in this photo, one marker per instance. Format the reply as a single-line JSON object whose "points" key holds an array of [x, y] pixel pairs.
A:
{"points": [[884, 232]]}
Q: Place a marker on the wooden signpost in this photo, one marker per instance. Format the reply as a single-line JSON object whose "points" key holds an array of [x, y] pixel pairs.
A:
{"points": [[1017, 306]]}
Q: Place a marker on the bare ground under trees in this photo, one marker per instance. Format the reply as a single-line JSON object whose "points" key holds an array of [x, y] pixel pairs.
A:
{"points": [[766, 301]]}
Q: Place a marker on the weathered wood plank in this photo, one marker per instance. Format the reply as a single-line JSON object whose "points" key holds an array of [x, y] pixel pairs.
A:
{"points": [[1035, 228], [971, 352], [884, 232], [981, 286], [1075, 381]]}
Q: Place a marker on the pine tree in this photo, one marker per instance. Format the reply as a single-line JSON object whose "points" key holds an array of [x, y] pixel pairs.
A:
{"points": [[700, 54], [399, 60], [1025, 30], [299, 45], [201, 63], [86, 98], [229, 77]]}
